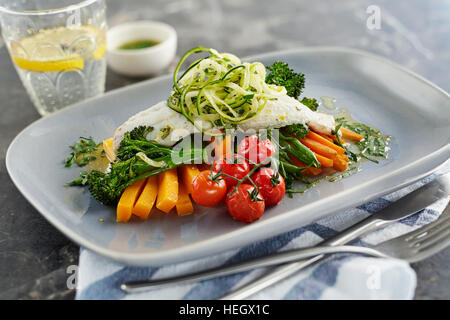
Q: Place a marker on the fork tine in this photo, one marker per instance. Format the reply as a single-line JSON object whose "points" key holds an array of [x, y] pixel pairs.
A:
{"points": [[435, 239], [425, 229], [427, 240], [428, 251], [428, 248], [428, 231]]}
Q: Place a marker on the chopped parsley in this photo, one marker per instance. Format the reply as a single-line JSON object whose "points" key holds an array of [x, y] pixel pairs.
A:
{"points": [[373, 145], [82, 152]]}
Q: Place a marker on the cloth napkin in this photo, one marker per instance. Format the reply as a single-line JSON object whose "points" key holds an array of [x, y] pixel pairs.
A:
{"points": [[340, 276]]}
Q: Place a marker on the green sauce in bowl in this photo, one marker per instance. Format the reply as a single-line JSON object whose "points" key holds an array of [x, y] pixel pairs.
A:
{"points": [[138, 44]]}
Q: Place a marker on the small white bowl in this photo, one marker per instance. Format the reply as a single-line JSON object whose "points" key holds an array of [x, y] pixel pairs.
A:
{"points": [[141, 62]]}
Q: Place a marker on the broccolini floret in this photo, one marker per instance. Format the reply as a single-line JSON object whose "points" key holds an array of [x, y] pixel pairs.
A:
{"points": [[310, 103], [131, 166], [108, 187], [136, 141], [281, 75], [140, 133]]}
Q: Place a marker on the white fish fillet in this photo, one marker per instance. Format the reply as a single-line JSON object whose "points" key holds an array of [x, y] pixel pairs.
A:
{"points": [[287, 110], [276, 114], [159, 117]]}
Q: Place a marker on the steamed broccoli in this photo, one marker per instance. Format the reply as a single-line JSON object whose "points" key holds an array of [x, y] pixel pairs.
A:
{"points": [[108, 187], [140, 133], [281, 75], [105, 187], [310, 103], [136, 141], [137, 159]]}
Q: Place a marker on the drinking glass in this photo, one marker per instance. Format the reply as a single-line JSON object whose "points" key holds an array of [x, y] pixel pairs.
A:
{"points": [[58, 49]]}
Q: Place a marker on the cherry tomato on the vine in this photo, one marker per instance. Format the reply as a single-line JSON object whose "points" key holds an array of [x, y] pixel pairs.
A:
{"points": [[255, 150], [238, 169], [207, 192], [245, 204], [271, 185]]}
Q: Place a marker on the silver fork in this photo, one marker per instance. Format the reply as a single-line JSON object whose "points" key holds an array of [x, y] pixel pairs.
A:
{"points": [[413, 246], [420, 243]]}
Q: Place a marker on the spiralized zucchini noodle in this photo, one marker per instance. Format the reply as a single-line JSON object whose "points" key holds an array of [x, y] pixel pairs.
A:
{"points": [[221, 90]]}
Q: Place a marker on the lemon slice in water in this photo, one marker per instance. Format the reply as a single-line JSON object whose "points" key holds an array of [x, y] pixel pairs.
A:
{"points": [[59, 49]]}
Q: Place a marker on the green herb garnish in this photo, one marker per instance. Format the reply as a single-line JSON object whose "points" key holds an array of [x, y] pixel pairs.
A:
{"points": [[83, 152], [373, 145]]}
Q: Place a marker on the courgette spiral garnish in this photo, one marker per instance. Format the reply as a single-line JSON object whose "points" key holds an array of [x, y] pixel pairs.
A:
{"points": [[221, 90]]}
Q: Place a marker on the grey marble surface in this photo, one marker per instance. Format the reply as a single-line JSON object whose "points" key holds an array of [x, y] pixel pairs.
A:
{"points": [[34, 256]]}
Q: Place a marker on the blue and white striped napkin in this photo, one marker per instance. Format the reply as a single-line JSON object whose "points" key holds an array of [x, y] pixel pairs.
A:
{"points": [[341, 276]]}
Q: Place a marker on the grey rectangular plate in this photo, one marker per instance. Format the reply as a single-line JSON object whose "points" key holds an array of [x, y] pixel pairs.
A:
{"points": [[377, 92]]}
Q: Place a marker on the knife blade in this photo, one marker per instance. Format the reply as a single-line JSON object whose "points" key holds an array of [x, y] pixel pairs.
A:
{"points": [[402, 208]]}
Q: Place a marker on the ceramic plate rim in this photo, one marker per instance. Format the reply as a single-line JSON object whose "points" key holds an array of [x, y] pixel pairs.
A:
{"points": [[209, 246]]}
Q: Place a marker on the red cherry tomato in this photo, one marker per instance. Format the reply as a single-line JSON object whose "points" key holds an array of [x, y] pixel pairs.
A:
{"points": [[238, 169], [255, 150], [271, 185], [207, 192], [241, 206]]}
